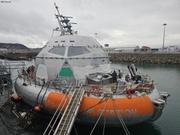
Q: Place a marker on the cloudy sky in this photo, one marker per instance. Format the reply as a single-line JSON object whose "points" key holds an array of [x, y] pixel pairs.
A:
{"points": [[117, 22]]}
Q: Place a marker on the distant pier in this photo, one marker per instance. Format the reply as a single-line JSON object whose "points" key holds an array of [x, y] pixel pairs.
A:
{"points": [[18, 56], [143, 58]]}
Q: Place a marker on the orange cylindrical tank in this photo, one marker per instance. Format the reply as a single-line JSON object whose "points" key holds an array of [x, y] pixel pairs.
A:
{"points": [[136, 106], [55, 100]]}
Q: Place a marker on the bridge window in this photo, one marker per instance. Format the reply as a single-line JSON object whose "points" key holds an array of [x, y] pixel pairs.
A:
{"points": [[77, 50], [59, 50]]}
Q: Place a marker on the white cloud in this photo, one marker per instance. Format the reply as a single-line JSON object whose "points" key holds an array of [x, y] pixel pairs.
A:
{"points": [[117, 22]]}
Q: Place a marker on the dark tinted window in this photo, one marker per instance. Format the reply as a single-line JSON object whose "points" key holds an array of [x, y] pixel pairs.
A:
{"points": [[60, 50], [77, 50]]}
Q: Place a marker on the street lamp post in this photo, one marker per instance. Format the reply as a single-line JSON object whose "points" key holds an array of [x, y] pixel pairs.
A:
{"points": [[164, 32]]}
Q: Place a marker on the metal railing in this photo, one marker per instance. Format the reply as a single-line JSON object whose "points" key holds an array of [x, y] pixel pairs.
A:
{"points": [[62, 124]]}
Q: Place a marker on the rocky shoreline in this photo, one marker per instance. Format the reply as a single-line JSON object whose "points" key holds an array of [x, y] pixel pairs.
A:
{"points": [[18, 56], [146, 58]]}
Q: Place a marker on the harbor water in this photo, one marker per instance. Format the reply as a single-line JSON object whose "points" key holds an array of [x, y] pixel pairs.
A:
{"points": [[166, 77]]}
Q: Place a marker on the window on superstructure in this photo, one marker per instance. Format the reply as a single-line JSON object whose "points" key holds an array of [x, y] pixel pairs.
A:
{"points": [[59, 50], [77, 50]]}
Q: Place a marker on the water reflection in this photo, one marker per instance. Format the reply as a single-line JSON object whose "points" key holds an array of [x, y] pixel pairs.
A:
{"points": [[145, 129], [140, 129], [10, 125], [147, 66]]}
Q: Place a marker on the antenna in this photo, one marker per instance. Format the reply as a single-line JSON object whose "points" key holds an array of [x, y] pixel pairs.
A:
{"points": [[59, 21], [64, 22]]}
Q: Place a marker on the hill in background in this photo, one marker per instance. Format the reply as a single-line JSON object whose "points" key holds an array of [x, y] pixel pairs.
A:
{"points": [[15, 51], [13, 46]]}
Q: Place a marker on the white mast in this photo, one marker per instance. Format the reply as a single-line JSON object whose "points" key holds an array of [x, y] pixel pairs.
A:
{"points": [[59, 21], [64, 23]]}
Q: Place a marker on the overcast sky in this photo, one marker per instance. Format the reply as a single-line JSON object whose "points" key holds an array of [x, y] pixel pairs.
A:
{"points": [[117, 22]]}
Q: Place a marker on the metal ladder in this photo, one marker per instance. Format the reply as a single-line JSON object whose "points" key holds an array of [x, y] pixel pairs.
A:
{"points": [[64, 125]]}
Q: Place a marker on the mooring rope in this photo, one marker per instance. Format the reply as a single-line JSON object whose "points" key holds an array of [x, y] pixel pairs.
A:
{"points": [[121, 121], [104, 125], [98, 119], [40, 92], [100, 102], [76, 132], [45, 92]]}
